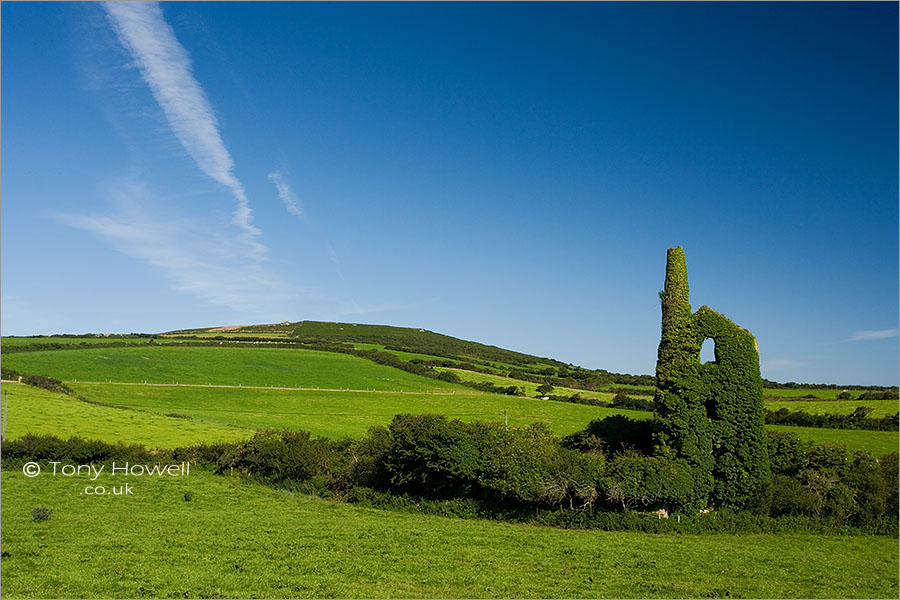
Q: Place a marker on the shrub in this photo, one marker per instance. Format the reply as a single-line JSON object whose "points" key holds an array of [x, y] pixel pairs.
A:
{"points": [[430, 455], [282, 456], [787, 452], [47, 383], [613, 435], [33, 447], [41, 513], [637, 481], [9, 374], [623, 400]]}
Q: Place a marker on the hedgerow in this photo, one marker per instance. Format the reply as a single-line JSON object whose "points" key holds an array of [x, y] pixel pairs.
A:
{"points": [[428, 463]]}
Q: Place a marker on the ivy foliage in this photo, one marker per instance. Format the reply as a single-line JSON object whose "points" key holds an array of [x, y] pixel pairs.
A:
{"points": [[709, 415]]}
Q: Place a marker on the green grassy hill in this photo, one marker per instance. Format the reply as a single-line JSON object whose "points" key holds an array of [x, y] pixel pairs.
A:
{"points": [[250, 366]]}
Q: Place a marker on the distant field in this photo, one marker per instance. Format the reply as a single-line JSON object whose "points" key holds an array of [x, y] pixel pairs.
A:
{"points": [[257, 366], [227, 334], [880, 408], [338, 414], [639, 390], [25, 341], [398, 353], [530, 388], [876, 442], [240, 540], [33, 410], [823, 393]]}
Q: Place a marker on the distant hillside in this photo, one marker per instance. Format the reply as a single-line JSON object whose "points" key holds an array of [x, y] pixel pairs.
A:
{"points": [[421, 341], [435, 349]]}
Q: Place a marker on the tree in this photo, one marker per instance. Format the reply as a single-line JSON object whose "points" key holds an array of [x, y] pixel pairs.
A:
{"points": [[544, 389]]}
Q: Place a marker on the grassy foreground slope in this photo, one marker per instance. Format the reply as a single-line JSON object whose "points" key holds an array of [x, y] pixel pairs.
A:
{"points": [[236, 539], [33, 410]]}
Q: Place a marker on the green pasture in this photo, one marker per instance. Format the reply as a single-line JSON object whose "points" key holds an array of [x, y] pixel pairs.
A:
{"points": [[530, 388], [34, 410], [10, 341], [880, 408], [253, 366], [821, 393], [242, 540], [876, 442], [407, 356], [338, 414]]}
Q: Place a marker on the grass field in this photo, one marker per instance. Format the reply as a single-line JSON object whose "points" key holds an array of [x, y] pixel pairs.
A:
{"points": [[255, 366], [823, 393], [237, 539], [876, 442], [33, 410], [880, 408], [337, 414], [398, 353], [530, 388], [26, 341]]}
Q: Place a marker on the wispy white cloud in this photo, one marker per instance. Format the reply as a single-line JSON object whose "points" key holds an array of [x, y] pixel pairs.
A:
{"points": [[166, 68], [285, 193], [781, 363], [874, 335], [198, 259]]}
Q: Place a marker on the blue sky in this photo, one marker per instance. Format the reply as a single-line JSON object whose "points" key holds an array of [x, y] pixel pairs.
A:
{"points": [[506, 173]]}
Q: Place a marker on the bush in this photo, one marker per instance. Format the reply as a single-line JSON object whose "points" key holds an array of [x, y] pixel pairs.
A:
{"points": [[41, 513], [47, 383], [637, 481], [430, 455], [283, 456], [9, 374], [613, 435], [33, 447], [623, 400]]}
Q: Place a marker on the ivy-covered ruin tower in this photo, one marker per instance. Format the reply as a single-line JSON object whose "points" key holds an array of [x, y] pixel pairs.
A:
{"points": [[709, 415]]}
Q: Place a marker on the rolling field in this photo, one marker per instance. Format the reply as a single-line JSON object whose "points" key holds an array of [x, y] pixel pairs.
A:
{"points": [[338, 414], [880, 408], [33, 410], [252, 366], [238, 539]]}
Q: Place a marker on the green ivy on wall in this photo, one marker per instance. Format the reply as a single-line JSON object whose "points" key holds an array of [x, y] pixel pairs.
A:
{"points": [[709, 415]]}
